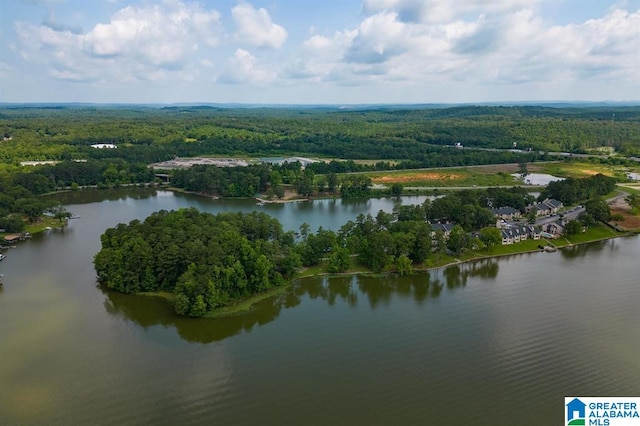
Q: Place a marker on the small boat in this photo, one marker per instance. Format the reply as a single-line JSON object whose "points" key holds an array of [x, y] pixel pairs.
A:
{"points": [[2, 256], [260, 203]]}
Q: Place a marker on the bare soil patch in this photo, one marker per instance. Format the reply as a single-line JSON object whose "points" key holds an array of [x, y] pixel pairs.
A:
{"points": [[630, 221], [595, 172]]}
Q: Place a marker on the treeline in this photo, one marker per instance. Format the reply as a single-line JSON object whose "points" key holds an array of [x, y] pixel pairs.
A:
{"points": [[572, 190], [416, 135], [205, 260], [21, 186], [223, 181], [267, 179]]}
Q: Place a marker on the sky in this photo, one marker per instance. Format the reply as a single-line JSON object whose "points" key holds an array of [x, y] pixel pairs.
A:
{"points": [[319, 52]]}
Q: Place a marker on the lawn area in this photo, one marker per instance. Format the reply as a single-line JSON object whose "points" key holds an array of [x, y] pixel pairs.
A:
{"points": [[630, 188], [39, 226], [523, 246], [595, 232], [42, 224]]}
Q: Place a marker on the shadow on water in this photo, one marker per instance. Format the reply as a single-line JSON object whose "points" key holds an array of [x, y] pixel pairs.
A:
{"points": [[456, 276], [348, 290], [153, 311], [96, 196], [582, 250]]}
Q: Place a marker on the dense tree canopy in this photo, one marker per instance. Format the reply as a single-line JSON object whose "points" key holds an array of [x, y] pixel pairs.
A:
{"points": [[205, 260], [416, 136], [571, 190]]}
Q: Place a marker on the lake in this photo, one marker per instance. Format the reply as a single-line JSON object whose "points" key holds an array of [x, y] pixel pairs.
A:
{"points": [[540, 179], [491, 342]]}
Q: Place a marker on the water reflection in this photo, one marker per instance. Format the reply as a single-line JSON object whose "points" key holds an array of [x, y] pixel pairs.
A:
{"points": [[348, 290], [96, 196], [456, 276], [152, 311], [537, 178], [582, 250]]}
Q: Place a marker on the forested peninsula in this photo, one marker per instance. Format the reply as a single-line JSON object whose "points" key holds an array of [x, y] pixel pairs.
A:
{"points": [[206, 261]]}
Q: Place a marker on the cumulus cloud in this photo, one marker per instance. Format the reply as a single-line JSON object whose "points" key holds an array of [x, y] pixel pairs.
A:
{"points": [[403, 43], [438, 11], [138, 42], [379, 38], [243, 68], [158, 34], [480, 42], [255, 27]]}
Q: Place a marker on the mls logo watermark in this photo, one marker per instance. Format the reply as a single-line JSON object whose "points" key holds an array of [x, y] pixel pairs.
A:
{"points": [[601, 411]]}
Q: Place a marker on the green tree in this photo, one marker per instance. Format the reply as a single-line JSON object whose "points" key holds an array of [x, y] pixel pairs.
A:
{"points": [[199, 307], [181, 304], [332, 182], [404, 266], [31, 207], [598, 209], [573, 227], [396, 189], [458, 240], [490, 236], [586, 219], [522, 168], [339, 259]]}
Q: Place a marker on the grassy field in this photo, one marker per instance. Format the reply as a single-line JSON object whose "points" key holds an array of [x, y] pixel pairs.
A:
{"points": [[39, 226], [583, 169], [630, 188], [594, 233], [493, 175], [467, 177], [523, 246]]}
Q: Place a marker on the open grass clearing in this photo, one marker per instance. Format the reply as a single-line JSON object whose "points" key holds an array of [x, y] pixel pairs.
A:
{"points": [[444, 178], [595, 232], [578, 169]]}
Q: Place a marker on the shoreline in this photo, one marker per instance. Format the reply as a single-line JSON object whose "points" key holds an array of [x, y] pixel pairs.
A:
{"points": [[245, 305], [461, 261]]}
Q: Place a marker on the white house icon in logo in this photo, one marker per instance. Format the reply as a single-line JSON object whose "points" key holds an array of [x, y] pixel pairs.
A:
{"points": [[576, 410]]}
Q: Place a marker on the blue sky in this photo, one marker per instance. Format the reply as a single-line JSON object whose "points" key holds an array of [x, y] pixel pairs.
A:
{"points": [[315, 52]]}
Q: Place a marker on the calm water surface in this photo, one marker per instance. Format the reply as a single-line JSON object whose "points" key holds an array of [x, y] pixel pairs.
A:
{"points": [[542, 179], [491, 342]]}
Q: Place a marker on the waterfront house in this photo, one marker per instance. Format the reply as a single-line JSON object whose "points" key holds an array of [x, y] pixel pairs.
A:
{"points": [[555, 228], [507, 237], [546, 207], [506, 213], [516, 234], [533, 232], [444, 227]]}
